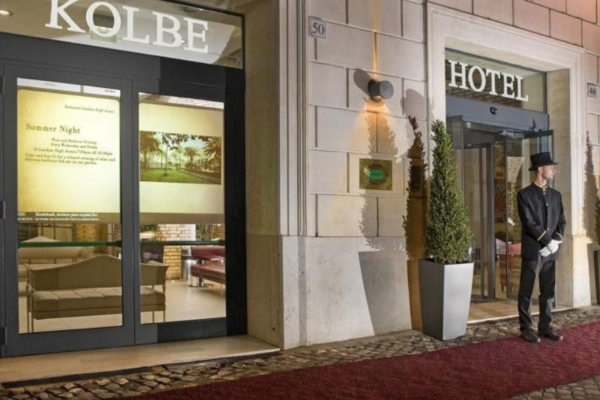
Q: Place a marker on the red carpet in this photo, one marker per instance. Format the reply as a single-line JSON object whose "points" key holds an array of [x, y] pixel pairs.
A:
{"points": [[497, 369]]}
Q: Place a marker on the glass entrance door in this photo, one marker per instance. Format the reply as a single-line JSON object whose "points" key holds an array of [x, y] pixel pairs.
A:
{"points": [[180, 194], [493, 166], [67, 274]]}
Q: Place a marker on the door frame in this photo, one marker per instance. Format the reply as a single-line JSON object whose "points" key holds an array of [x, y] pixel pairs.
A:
{"points": [[69, 62]]}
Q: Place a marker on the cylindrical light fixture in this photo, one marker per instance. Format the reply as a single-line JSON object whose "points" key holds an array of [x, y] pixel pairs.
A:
{"points": [[380, 90]]}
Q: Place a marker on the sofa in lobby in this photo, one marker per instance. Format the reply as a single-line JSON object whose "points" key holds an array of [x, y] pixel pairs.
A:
{"points": [[48, 255], [54, 254], [89, 287], [210, 264]]}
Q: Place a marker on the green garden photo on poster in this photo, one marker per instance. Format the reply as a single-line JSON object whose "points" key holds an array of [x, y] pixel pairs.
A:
{"points": [[180, 158]]}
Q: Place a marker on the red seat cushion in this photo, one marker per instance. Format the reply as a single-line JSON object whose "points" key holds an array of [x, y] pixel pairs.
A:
{"points": [[208, 252], [213, 272]]}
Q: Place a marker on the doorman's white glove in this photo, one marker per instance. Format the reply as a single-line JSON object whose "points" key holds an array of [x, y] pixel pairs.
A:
{"points": [[553, 246], [545, 252]]}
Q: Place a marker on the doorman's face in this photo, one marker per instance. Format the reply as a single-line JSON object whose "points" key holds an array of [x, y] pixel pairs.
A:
{"points": [[548, 172]]}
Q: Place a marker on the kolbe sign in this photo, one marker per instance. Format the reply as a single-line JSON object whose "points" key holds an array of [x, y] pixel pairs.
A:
{"points": [[167, 27], [490, 81]]}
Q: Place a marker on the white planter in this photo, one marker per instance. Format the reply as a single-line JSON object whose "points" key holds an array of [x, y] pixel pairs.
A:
{"points": [[445, 292]]}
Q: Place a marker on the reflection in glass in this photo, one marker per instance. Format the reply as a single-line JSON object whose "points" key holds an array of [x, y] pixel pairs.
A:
{"points": [[182, 204], [476, 198]]}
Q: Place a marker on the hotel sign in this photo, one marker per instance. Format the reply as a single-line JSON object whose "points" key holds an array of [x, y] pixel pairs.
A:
{"points": [[490, 81], [167, 28]]}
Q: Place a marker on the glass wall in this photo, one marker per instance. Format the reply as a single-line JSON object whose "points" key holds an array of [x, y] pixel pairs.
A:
{"points": [[182, 203]]}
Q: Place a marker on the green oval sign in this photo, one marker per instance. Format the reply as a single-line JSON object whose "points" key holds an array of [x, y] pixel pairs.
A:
{"points": [[375, 173]]}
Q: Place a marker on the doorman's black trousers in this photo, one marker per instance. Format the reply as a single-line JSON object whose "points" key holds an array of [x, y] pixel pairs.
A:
{"points": [[547, 287]]}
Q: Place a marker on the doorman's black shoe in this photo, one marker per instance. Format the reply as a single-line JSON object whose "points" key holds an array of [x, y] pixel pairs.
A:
{"points": [[530, 336], [550, 334]]}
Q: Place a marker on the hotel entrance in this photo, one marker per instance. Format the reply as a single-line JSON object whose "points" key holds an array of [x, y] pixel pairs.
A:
{"points": [[493, 164], [497, 114], [123, 198]]}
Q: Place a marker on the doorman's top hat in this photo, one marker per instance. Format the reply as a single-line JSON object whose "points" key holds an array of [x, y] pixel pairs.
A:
{"points": [[540, 160]]}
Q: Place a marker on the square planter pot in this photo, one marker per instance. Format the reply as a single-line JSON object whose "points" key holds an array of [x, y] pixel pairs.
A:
{"points": [[445, 298]]}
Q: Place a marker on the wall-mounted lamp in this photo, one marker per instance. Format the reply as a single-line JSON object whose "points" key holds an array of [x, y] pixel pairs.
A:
{"points": [[5, 13], [380, 90]]}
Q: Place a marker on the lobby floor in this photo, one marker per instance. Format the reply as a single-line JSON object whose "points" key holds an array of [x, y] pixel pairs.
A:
{"points": [[491, 310]]}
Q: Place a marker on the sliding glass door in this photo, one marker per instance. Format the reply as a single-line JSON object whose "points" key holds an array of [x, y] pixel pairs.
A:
{"points": [[67, 280], [181, 199], [123, 195]]}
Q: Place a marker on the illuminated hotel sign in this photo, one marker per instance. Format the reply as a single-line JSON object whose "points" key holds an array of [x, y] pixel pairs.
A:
{"points": [[167, 27], [493, 82]]}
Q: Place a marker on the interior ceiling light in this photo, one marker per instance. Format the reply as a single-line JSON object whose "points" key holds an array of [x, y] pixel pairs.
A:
{"points": [[195, 102], [5, 13]]}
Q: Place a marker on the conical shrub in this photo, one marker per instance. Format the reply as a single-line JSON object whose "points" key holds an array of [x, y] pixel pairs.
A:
{"points": [[447, 231]]}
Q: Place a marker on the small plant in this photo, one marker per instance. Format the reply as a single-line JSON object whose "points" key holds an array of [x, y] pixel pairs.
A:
{"points": [[204, 232], [149, 228], [447, 231]]}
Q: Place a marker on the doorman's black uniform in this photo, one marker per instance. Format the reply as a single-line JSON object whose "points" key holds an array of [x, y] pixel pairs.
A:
{"points": [[543, 219]]}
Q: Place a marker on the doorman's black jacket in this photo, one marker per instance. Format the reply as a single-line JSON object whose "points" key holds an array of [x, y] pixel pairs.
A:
{"points": [[542, 218]]}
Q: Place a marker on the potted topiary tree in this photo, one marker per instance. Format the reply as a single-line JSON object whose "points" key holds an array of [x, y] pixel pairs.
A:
{"points": [[446, 276]]}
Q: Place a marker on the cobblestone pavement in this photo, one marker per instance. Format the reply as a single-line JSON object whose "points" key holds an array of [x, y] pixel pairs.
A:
{"points": [[398, 344]]}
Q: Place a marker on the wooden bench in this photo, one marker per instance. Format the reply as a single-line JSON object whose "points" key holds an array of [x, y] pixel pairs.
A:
{"points": [[89, 287]]}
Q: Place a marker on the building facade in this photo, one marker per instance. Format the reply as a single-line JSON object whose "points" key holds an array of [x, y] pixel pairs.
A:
{"points": [[286, 157]]}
